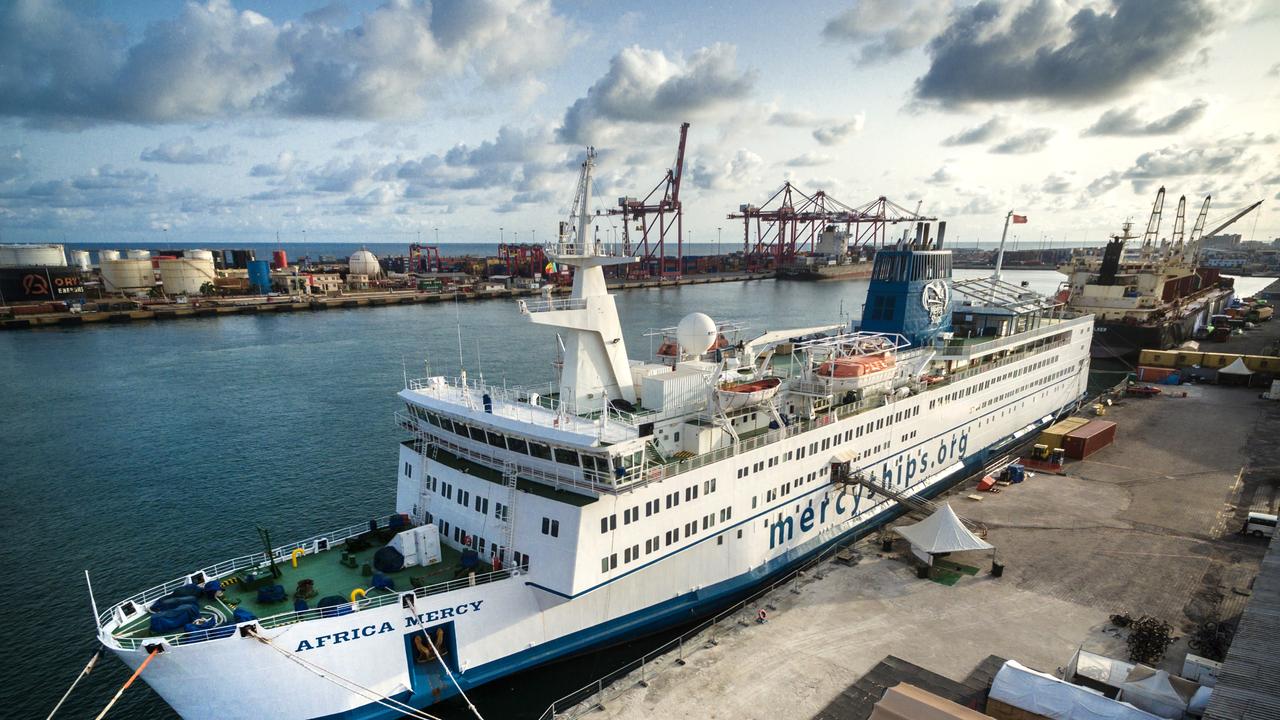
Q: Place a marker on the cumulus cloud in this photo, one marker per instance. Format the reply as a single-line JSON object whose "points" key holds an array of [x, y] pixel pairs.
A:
{"points": [[795, 118], [1218, 159], [647, 86], [13, 165], [58, 66], [1056, 185], [283, 163], [1274, 71], [725, 173], [105, 186], [1027, 141], [184, 151], [837, 134], [979, 133], [1126, 121], [1050, 50], [809, 159], [941, 176], [885, 29]]}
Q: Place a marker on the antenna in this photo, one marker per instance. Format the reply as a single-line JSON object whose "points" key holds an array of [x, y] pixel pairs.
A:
{"points": [[404, 369], [457, 316]]}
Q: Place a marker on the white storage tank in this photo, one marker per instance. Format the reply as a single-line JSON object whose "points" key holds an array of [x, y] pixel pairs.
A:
{"points": [[129, 275], [198, 254], [137, 254], [80, 259], [48, 255], [185, 275], [363, 262], [105, 255]]}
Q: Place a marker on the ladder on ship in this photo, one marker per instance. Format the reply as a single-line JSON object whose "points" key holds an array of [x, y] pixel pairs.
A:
{"points": [[511, 476], [842, 478], [420, 447]]}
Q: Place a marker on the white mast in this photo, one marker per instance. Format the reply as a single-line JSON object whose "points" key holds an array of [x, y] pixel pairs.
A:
{"points": [[595, 355]]}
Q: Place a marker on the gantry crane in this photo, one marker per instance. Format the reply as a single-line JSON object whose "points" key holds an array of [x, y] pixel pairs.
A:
{"points": [[654, 218]]}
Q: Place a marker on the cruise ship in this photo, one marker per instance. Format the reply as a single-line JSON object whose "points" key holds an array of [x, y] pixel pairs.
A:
{"points": [[624, 497]]}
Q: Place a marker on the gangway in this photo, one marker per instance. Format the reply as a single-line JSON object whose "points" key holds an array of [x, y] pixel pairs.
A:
{"points": [[842, 478]]}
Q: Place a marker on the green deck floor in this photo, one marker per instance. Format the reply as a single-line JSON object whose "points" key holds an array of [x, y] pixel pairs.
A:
{"points": [[330, 576]]}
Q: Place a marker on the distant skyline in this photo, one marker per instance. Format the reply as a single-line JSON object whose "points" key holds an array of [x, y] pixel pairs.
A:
{"points": [[374, 122]]}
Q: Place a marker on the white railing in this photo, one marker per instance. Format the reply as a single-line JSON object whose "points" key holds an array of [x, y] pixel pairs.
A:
{"points": [[537, 306], [290, 618], [472, 392], [948, 351]]}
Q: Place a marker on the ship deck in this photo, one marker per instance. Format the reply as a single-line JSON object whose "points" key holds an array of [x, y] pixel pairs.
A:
{"points": [[329, 576]]}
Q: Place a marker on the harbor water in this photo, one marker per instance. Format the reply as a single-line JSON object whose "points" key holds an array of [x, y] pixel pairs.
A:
{"points": [[142, 452]]}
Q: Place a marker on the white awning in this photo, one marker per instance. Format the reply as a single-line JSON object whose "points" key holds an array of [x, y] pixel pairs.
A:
{"points": [[1236, 368], [942, 532]]}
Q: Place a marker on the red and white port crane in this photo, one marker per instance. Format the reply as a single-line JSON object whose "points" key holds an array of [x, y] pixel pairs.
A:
{"points": [[648, 223]]}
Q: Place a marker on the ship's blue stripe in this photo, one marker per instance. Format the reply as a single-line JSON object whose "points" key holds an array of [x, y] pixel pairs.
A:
{"points": [[688, 606]]}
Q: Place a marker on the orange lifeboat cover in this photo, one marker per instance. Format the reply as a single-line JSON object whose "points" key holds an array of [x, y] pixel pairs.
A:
{"points": [[856, 366]]}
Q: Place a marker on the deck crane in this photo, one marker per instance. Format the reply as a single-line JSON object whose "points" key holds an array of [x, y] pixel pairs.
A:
{"points": [[1179, 226], [651, 218], [1231, 220], [1153, 223]]}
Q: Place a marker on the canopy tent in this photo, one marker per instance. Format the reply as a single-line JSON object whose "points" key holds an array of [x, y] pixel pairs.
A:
{"points": [[1045, 695], [1237, 367], [1157, 692], [942, 532]]}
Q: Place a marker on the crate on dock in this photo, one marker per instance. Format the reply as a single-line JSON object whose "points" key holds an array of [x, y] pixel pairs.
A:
{"points": [[1088, 439], [1052, 436]]}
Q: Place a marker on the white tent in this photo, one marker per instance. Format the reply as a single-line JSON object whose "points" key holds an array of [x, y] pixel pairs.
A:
{"points": [[1237, 367], [1049, 697], [942, 532], [1157, 692]]}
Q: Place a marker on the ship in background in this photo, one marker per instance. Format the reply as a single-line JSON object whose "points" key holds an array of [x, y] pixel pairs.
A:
{"points": [[832, 259], [1152, 297]]}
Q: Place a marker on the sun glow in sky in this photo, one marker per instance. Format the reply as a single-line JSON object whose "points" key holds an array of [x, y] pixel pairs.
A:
{"points": [[224, 121]]}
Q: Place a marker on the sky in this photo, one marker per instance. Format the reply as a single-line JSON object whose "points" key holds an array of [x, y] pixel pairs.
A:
{"points": [[466, 120]]}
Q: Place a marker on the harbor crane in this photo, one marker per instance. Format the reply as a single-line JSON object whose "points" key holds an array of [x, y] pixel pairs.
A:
{"points": [[654, 218], [1231, 220], [790, 221]]}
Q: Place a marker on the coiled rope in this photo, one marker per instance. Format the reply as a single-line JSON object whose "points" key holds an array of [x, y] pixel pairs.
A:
{"points": [[345, 683], [87, 669]]}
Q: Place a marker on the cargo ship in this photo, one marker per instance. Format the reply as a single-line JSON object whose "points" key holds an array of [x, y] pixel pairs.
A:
{"points": [[832, 259], [624, 497], [1155, 296]]}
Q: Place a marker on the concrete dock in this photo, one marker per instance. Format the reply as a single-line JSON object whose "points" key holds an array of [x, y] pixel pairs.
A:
{"points": [[265, 304], [1147, 526]]}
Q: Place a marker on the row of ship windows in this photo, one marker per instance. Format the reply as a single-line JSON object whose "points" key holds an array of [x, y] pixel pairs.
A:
{"points": [[653, 507], [532, 448], [959, 394], [835, 441], [1042, 381], [464, 497], [477, 543], [652, 545], [787, 487]]}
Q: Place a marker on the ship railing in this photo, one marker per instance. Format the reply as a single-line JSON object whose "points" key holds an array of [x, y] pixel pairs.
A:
{"points": [[281, 553], [947, 350], [545, 396], [591, 481], [537, 306], [369, 602]]}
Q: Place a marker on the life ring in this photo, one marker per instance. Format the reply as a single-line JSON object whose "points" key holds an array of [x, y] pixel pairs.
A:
{"points": [[297, 553], [357, 591]]}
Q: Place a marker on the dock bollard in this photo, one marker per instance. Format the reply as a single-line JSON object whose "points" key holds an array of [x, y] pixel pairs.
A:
{"points": [[680, 651]]}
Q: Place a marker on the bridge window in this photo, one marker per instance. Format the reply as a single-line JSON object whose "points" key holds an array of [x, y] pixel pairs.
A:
{"points": [[539, 450], [550, 527]]}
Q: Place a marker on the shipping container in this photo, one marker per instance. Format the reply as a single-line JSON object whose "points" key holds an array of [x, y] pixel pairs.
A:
{"points": [[1155, 374], [1158, 358], [1053, 435], [1085, 441]]}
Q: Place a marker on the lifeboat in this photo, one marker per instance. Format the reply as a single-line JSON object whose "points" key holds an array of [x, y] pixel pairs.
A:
{"points": [[856, 366], [731, 396]]}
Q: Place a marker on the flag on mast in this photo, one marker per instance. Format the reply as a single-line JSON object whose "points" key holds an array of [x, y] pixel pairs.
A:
{"points": [[1019, 219]]}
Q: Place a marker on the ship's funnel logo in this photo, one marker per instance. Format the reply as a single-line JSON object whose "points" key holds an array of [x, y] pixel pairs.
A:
{"points": [[935, 298]]}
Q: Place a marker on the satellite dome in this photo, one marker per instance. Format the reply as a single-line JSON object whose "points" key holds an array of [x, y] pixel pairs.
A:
{"points": [[364, 262], [696, 333]]}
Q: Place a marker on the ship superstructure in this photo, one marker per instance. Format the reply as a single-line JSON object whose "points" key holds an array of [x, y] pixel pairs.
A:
{"points": [[625, 497], [1153, 296]]}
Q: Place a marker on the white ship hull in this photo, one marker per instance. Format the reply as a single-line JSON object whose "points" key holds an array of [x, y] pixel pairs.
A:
{"points": [[519, 622]]}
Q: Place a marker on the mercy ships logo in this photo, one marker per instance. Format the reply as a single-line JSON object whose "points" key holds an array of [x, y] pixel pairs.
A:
{"points": [[934, 299]]}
